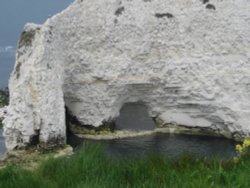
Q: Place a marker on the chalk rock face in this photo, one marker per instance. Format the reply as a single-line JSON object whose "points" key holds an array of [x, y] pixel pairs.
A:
{"points": [[187, 61], [2, 112]]}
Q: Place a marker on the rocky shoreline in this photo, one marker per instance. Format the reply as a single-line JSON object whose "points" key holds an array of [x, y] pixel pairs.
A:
{"points": [[32, 157], [120, 134]]}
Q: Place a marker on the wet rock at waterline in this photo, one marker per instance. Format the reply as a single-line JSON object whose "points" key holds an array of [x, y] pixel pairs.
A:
{"points": [[187, 62]]}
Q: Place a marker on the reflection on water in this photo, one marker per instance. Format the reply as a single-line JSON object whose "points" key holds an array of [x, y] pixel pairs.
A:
{"points": [[2, 145], [170, 145]]}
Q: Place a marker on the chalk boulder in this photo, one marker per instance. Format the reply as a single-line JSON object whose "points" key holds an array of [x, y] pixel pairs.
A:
{"points": [[187, 61]]}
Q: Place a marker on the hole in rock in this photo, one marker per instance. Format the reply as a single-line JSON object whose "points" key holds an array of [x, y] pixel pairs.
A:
{"points": [[35, 138], [134, 116]]}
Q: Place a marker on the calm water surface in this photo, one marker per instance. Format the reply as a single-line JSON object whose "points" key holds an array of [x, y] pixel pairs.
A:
{"points": [[169, 145]]}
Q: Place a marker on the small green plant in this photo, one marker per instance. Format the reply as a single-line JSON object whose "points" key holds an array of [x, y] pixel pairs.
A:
{"points": [[242, 149]]}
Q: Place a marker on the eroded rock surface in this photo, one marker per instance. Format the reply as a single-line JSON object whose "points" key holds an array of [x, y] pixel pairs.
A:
{"points": [[187, 61], [2, 114]]}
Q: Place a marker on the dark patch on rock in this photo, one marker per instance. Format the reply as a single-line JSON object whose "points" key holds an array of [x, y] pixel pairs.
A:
{"points": [[52, 144], [205, 1], [26, 38], [4, 97], [34, 140], [210, 6], [147, 0], [239, 135], [19, 53], [108, 125], [17, 70], [162, 15], [50, 34], [48, 66], [119, 11]]}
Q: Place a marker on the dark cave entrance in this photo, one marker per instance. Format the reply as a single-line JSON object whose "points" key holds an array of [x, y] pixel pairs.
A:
{"points": [[134, 116]]}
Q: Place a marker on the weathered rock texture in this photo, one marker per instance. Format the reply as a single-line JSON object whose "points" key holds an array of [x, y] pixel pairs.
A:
{"points": [[2, 110], [2, 113], [187, 61]]}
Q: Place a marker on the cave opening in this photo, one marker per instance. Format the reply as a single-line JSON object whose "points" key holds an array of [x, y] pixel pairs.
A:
{"points": [[134, 116]]}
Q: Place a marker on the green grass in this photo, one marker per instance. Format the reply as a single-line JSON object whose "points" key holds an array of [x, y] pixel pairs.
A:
{"points": [[91, 169]]}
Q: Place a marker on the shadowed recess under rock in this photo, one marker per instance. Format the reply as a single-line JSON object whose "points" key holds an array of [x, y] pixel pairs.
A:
{"points": [[134, 116]]}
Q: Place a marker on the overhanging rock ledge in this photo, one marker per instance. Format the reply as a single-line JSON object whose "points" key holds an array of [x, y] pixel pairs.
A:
{"points": [[187, 62]]}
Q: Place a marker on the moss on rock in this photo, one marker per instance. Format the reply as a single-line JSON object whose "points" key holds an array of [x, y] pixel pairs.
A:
{"points": [[4, 97], [105, 128], [26, 38]]}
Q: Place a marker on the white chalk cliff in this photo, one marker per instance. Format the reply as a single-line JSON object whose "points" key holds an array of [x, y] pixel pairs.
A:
{"points": [[187, 61]]}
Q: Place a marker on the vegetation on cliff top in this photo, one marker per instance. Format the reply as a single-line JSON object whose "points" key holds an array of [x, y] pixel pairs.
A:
{"points": [[91, 168]]}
